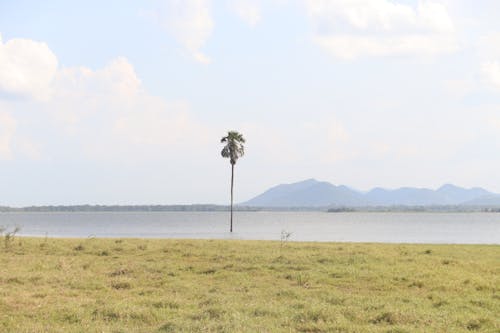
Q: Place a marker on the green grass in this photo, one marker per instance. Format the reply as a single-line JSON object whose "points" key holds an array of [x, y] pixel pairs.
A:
{"points": [[133, 285]]}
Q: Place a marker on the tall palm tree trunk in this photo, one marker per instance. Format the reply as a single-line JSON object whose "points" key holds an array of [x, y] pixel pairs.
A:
{"points": [[232, 182]]}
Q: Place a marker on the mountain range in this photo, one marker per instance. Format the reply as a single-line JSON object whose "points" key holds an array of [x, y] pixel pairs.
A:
{"points": [[313, 193]]}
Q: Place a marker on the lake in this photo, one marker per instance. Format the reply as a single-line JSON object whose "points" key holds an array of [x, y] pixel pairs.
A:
{"points": [[464, 228]]}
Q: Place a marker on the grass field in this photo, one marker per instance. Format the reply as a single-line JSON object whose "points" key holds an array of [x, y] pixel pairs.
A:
{"points": [[134, 285]]}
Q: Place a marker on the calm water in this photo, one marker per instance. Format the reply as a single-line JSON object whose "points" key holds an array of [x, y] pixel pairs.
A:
{"points": [[305, 226]]}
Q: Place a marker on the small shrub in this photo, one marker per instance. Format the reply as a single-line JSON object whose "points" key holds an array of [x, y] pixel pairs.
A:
{"points": [[417, 284], [9, 236], [333, 300], [80, 247], [286, 293], [325, 260], [480, 304], [400, 278], [385, 318], [311, 328], [475, 324], [396, 330], [299, 306], [206, 302], [261, 313], [70, 318], [208, 271], [335, 275], [439, 304], [146, 292], [311, 315], [214, 313], [168, 328], [14, 280], [121, 285], [285, 237], [35, 279], [303, 280], [106, 315], [165, 305], [120, 272]]}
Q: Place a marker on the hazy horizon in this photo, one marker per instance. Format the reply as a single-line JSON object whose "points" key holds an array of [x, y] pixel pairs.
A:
{"points": [[125, 102], [242, 202]]}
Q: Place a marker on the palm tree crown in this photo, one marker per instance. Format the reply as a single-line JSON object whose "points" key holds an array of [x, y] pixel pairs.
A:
{"points": [[234, 148]]}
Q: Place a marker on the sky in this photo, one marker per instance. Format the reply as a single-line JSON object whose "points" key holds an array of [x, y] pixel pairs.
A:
{"points": [[125, 102]]}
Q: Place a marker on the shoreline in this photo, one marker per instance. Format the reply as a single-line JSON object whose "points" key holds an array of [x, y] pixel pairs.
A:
{"points": [[242, 240], [196, 208]]}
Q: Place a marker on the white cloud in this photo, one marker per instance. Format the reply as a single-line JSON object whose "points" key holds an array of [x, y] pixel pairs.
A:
{"points": [[489, 46], [350, 47], [104, 111], [459, 87], [109, 110], [433, 16], [27, 68], [349, 29], [80, 92], [247, 10], [7, 129], [190, 23], [118, 78], [160, 124], [489, 53], [491, 72]]}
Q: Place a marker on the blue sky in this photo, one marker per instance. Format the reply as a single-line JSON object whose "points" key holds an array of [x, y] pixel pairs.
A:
{"points": [[124, 102]]}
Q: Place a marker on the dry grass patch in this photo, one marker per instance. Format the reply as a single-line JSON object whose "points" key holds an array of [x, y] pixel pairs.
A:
{"points": [[132, 285]]}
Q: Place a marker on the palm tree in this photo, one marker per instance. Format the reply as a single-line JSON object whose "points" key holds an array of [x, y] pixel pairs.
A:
{"points": [[233, 150]]}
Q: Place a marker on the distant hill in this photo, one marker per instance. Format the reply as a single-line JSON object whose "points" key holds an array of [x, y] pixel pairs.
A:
{"points": [[313, 193], [446, 195], [307, 193], [485, 200]]}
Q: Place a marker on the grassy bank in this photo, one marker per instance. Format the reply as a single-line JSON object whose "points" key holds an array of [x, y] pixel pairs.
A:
{"points": [[107, 285]]}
